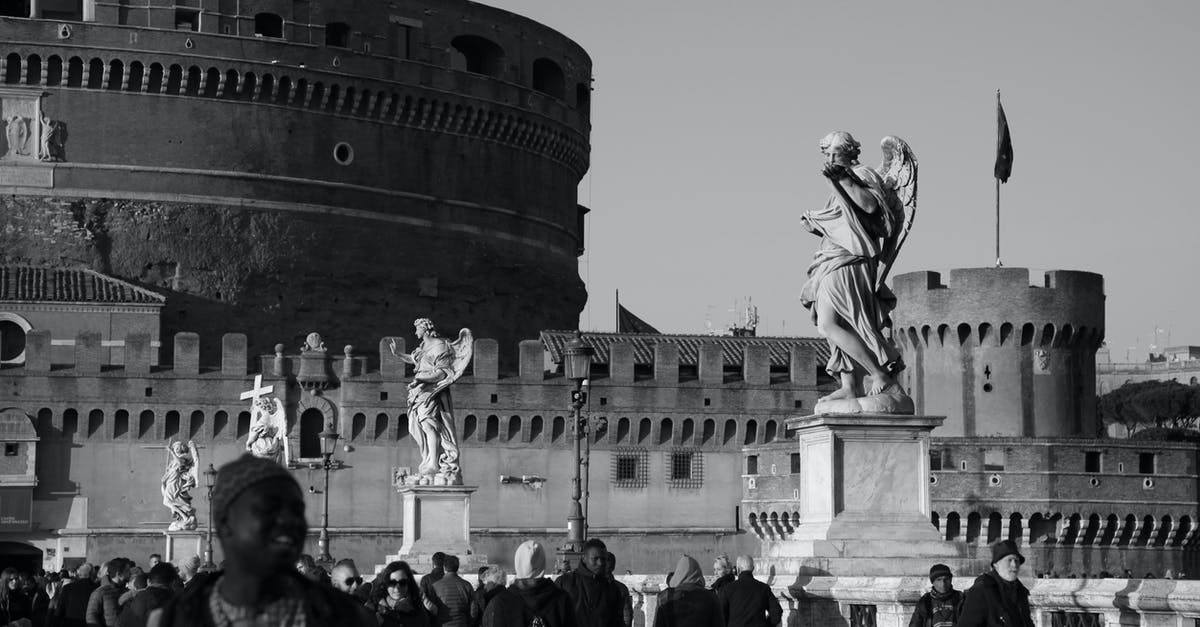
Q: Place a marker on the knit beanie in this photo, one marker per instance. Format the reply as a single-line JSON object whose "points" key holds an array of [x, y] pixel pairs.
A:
{"points": [[237, 476], [530, 560], [939, 570]]}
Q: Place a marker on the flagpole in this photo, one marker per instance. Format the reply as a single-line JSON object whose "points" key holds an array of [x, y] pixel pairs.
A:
{"points": [[998, 262], [617, 311]]}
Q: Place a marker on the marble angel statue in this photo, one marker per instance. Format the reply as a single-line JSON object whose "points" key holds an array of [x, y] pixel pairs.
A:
{"points": [[268, 430], [862, 228], [180, 477], [439, 363]]}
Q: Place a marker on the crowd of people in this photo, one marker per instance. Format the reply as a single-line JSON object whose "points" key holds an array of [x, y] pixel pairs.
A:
{"points": [[258, 514]]}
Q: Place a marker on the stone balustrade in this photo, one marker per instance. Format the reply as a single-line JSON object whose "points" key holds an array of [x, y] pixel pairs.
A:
{"points": [[889, 601]]}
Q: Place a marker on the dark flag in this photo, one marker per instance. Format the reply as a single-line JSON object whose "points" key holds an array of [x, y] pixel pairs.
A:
{"points": [[629, 323], [1004, 152]]}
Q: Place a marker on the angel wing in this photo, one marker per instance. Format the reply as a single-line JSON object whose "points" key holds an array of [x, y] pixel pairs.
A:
{"points": [[278, 420], [899, 173], [464, 349], [194, 471]]}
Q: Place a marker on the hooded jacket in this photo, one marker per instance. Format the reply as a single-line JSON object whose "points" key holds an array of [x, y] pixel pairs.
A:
{"points": [[527, 599], [687, 603], [993, 602]]}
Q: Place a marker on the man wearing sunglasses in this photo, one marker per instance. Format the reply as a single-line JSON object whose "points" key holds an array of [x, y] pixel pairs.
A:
{"points": [[347, 579]]}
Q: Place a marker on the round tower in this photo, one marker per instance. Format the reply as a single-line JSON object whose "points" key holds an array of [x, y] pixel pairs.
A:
{"points": [[285, 167], [1002, 351]]}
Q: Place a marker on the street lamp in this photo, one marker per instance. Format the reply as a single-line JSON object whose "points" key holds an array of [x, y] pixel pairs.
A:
{"points": [[210, 479], [577, 367], [329, 438]]}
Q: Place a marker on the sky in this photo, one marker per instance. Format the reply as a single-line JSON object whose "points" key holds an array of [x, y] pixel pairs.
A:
{"points": [[706, 118]]}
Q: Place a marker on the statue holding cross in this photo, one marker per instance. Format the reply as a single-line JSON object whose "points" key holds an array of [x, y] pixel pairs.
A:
{"points": [[268, 424]]}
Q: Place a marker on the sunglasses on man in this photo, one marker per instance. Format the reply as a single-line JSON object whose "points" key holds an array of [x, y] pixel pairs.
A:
{"points": [[350, 581]]}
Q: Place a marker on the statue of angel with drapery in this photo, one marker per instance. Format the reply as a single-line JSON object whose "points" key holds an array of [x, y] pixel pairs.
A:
{"points": [[438, 364], [862, 228], [180, 477]]}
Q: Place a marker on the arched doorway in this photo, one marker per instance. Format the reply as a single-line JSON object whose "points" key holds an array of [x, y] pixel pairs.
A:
{"points": [[12, 338], [21, 556], [312, 423]]}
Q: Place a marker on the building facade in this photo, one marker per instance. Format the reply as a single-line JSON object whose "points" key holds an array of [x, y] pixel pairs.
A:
{"points": [[275, 166]]}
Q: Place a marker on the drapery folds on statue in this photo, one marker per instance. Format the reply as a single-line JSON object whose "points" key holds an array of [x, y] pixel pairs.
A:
{"points": [[862, 227]]}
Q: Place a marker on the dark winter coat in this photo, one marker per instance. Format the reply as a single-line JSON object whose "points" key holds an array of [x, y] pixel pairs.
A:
{"points": [[748, 602], [73, 601], [935, 610], [993, 602], [137, 610], [596, 600], [527, 599], [688, 607]]}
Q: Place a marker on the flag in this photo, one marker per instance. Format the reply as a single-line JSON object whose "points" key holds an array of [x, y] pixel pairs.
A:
{"points": [[1004, 151], [629, 323]]}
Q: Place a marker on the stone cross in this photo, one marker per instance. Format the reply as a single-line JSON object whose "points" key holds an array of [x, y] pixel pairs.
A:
{"points": [[258, 391]]}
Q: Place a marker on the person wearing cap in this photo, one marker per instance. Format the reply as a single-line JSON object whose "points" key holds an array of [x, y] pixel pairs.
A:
{"points": [[686, 600], [258, 514], [997, 596], [531, 596], [940, 606]]}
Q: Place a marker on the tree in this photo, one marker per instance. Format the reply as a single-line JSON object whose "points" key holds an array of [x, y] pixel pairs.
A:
{"points": [[1151, 404]]}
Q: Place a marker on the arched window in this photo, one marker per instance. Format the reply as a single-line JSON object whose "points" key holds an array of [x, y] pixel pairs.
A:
{"points": [[116, 74], [622, 430], [358, 424], [771, 431], [710, 430], [548, 78], [491, 429], [120, 424], [71, 422], [196, 425], [644, 429], [1014, 527], [381, 426], [266, 93], [337, 34], [249, 84], [994, 524], [75, 72], [171, 426], [154, 84], [751, 432], [514, 429], [220, 421], [312, 423], [12, 68], [212, 83], [973, 525], [33, 74], [953, 526], [12, 338], [137, 74], [477, 55], [557, 428], [730, 431], [95, 74], [469, 427], [268, 25], [667, 430], [243, 425], [230, 88], [688, 433], [535, 428], [402, 427]]}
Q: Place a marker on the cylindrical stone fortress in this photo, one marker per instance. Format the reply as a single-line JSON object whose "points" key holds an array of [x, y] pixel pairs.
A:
{"points": [[278, 167], [1001, 351]]}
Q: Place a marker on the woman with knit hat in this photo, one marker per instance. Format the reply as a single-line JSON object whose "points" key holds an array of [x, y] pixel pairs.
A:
{"points": [[686, 602], [998, 597], [258, 514]]}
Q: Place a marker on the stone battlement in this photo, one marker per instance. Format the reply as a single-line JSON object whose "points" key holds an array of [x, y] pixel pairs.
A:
{"points": [[715, 366]]}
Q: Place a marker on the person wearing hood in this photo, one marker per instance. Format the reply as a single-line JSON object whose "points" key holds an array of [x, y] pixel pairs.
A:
{"points": [[940, 606], [687, 603], [531, 596], [597, 602], [748, 602], [998, 597]]}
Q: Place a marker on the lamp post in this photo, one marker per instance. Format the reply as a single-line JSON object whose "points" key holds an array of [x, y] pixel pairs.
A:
{"points": [[210, 479], [329, 438], [577, 367]]}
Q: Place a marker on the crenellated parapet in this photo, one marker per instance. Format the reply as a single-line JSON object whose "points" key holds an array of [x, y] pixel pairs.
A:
{"points": [[1002, 351]]}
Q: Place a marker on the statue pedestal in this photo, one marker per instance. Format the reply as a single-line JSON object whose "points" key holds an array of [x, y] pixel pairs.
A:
{"points": [[437, 518], [864, 499], [182, 546]]}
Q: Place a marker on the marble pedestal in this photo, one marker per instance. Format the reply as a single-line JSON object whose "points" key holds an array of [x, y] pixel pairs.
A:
{"points": [[437, 518], [182, 546], [864, 499]]}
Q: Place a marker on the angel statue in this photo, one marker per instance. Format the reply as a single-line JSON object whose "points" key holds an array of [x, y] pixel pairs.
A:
{"points": [[180, 477], [439, 363], [862, 227], [268, 430]]}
